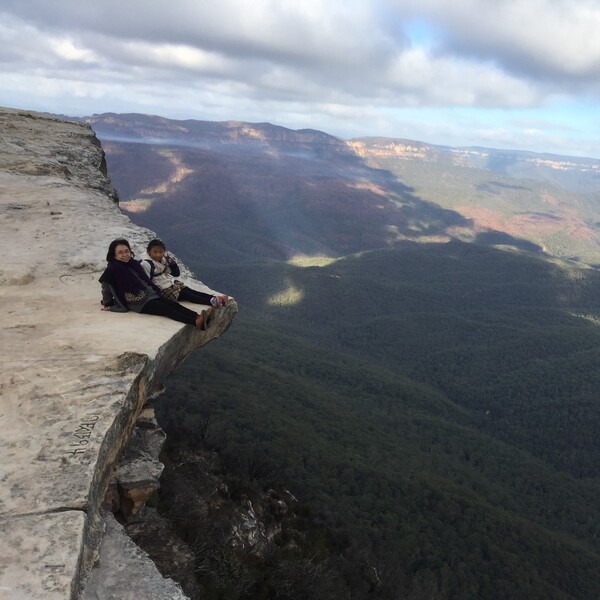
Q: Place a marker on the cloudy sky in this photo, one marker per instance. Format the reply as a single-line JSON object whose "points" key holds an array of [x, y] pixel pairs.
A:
{"points": [[501, 73]]}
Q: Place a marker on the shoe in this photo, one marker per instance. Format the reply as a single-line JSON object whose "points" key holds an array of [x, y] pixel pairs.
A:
{"points": [[219, 301]]}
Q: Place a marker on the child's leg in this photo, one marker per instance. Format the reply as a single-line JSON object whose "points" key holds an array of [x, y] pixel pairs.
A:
{"points": [[194, 296]]}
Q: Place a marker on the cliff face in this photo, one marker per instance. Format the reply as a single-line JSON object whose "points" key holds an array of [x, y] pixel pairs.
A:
{"points": [[508, 162], [74, 378]]}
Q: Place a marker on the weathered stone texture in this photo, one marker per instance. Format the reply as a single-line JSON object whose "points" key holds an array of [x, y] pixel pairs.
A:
{"points": [[120, 563], [39, 554], [73, 378]]}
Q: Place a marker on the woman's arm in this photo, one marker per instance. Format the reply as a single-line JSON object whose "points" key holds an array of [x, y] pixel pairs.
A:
{"points": [[109, 300]]}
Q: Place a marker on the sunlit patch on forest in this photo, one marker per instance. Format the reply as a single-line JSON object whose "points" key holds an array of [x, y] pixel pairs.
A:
{"points": [[288, 296], [136, 205], [319, 260], [178, 174], [591, 318]]}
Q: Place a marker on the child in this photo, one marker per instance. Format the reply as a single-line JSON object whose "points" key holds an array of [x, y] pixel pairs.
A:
{"points": [[161, 268]]}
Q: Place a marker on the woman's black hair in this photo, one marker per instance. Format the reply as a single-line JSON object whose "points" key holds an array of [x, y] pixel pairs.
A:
{"points": [[155, 244], [110, 255]]}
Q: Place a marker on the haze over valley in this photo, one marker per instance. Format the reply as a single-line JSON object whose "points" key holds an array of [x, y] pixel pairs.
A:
{"points": [[302, 192]]}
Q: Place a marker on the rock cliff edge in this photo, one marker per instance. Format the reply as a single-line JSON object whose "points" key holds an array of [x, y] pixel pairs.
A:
{"points": [[74, 379]]}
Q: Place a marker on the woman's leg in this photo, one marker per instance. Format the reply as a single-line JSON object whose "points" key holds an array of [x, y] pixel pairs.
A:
{"points": [[167, 308], [189, 295]]}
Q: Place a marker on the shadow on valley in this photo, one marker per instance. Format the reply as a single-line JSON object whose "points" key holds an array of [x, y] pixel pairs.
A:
{"points": [[286, 197], [275, 206]]}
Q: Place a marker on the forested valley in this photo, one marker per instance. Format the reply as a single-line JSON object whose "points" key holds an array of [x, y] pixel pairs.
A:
{"points": [[431, 408]]}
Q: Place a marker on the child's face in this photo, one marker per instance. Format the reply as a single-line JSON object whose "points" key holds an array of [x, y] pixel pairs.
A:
{"points": [[156, 253]]}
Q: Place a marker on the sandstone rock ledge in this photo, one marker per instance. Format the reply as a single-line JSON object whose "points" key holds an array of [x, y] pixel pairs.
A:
{"points": [[73, 378]]}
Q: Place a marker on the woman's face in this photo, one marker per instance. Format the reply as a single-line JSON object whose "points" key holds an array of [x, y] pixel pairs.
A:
{"points": [[122, 253]]}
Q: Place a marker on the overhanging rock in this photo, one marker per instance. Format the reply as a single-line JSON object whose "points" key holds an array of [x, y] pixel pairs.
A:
{"points": [[74, 378]]}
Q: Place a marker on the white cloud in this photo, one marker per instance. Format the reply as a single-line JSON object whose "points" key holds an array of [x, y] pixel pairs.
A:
{"points": [[346, 65], [543, 38], [300, 32], [68, 50], [443, 81], [171, 57]]}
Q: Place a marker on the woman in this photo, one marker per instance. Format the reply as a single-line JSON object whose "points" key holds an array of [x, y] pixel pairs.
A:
{"points": [[125, 286]]}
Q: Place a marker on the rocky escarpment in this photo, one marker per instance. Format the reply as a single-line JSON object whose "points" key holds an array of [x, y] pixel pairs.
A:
{"points": [[263, 137], [74, 379]]}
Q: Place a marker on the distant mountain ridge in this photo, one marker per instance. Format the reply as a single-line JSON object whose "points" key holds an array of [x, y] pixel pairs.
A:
{"points": [[564, 170], [208, 134], [283, 193]]}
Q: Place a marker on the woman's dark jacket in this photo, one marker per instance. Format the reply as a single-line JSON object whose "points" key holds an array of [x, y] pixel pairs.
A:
{"points": [[120, 278]]}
